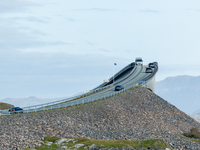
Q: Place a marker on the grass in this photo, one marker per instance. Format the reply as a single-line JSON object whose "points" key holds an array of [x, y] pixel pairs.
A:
{"points": [[105, 143], [188, 138], [193, 135], [5, 106]]}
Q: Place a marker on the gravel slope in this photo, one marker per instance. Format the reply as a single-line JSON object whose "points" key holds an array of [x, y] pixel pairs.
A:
{"points": [[135, 115]]}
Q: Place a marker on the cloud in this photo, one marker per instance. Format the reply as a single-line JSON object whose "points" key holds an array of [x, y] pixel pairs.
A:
{"points": [[52, 75], [15, 39], [96, 9], [16, 35], [90, 43], [71, 19], [34, 19], [149, 11], [104, 50], [9, 6], [197, 10], [67, 18], [29, 19]]}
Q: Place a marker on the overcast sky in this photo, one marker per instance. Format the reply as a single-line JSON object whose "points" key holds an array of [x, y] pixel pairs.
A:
{"points": [[52, 49]]}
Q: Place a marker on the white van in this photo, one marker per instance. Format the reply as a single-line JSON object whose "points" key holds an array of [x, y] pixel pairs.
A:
{"points": [[139, 61]]}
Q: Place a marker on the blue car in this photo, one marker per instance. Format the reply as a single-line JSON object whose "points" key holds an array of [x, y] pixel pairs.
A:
{"points": [[119, 87], [15, 110]]}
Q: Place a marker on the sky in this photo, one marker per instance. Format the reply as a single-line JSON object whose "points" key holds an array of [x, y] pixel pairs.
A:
{"points": [[51, 49]]}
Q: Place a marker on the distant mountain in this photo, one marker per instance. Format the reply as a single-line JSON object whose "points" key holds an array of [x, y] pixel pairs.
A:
{"points": [[181, 91], [30, 101]]}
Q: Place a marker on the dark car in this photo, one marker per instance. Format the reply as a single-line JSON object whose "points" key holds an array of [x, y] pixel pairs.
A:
{"points": [[149, 70], [15, 110], [119, 87], [152, 65]]}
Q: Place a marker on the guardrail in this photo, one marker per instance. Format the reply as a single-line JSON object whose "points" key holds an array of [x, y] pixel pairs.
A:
{"points": [[118, 73], [116, 82], [152, 74], [85, 94], [73, 100], [66, 104], [147, 79]]}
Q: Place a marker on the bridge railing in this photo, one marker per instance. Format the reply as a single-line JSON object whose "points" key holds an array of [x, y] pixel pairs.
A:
{"points": [[68, 103], [152, 74], [118, 73], [73, 100]]}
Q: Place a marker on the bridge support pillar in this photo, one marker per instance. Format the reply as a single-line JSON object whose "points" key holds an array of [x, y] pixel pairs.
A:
{"points": [[151, 84]]}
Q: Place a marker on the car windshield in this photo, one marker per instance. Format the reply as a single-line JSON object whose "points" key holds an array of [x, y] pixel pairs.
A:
{"points": [[138, 60], [148, 68]]}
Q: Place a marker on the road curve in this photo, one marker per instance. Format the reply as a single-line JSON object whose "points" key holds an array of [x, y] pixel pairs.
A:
{"points": [[130, 76]]}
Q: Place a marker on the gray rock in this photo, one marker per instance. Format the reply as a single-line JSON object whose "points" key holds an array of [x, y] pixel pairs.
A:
{"points": [[62, 148], [49, 143], [89, 147], [92, 146], [60, 141], [78, 145], [135, 115]]}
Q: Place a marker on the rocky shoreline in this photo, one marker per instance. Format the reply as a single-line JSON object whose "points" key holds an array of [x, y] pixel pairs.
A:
{"points": [[135, 115]]}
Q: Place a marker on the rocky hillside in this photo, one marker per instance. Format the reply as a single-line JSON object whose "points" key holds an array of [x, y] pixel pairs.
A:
{"points": [[135, 115], [5, 106]]}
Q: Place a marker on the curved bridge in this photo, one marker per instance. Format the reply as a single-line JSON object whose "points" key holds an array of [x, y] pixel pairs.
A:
{"points": [[130, 76]]}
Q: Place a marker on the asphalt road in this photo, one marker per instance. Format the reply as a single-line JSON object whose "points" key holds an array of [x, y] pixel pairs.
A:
{"points": [[138, 75]]}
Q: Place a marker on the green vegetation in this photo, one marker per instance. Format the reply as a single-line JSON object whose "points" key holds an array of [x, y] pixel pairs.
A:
{"points": [[194, 133], [105, 143], [5, 106], [189, 139]]}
